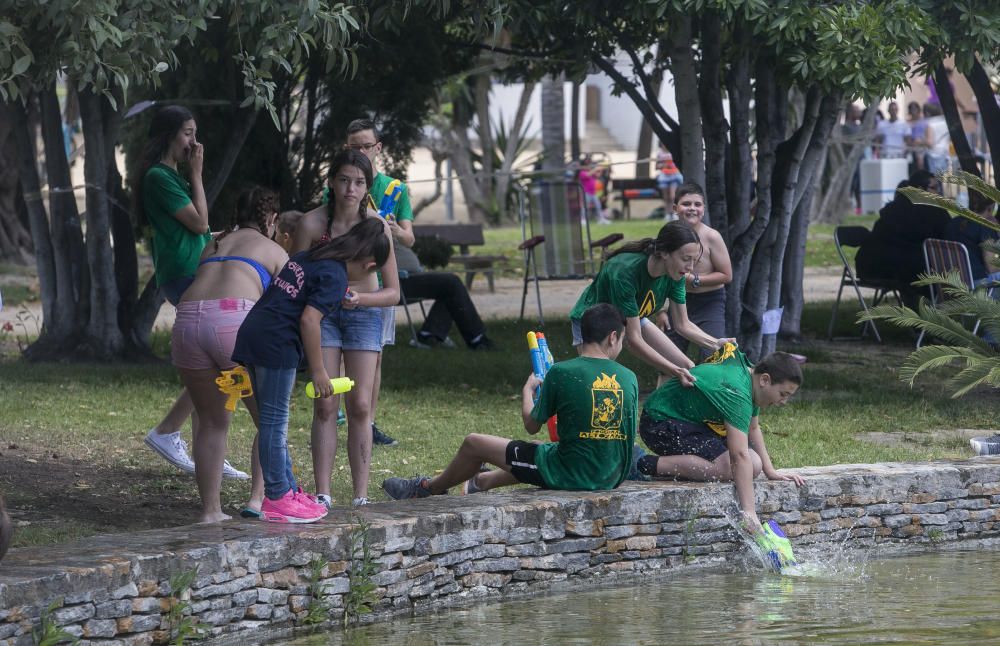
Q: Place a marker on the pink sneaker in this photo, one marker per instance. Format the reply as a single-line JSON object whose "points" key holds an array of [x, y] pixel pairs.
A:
{"points": [[308, 500], [289, 509]]}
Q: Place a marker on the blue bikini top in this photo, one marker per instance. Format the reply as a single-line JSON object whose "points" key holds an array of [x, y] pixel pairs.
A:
{"points": [[265, 275]]}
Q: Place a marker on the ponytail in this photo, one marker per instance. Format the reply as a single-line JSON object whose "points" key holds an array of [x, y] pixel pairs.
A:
{"points": [[672, 236]]}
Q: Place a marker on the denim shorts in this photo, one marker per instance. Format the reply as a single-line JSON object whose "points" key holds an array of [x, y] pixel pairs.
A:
{"points": [[205, 332], [388, 326], [357, 329]]}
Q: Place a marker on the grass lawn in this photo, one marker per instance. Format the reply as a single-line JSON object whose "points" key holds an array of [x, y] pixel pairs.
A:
{"points": [[503, 241], [72, 461]]}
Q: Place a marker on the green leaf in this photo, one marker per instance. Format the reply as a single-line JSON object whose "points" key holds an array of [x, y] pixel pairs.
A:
{"points": [[21, 65]]}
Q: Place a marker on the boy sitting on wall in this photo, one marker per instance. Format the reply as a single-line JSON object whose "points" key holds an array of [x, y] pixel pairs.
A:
{"points": [[596, 400], [710, 431]]}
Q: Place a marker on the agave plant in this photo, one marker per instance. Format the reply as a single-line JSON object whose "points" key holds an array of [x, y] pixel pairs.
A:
{"points": [[970, 347]]}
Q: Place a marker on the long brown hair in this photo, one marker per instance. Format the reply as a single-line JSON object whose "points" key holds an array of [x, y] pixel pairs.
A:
{"points": [[349, 157], [366, 239], [166, 123], [672, 236], [253, 208]]}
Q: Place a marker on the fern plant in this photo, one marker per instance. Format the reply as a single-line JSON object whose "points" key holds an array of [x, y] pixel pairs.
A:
{"points": [[969, 348]]}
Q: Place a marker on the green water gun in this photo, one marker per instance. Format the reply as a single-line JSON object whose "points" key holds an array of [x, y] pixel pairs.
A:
{"points": [[776, 546]]}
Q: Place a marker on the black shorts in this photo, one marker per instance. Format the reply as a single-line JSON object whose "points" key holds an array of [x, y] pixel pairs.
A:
{"points": [[678, 437], [521, 458]]}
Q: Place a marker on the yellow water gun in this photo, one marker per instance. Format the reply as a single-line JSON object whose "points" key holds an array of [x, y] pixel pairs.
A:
{"points": [[236, 384]]}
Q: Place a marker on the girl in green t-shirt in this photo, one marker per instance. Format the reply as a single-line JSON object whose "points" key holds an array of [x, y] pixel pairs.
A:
{"points": [[641, 278]]}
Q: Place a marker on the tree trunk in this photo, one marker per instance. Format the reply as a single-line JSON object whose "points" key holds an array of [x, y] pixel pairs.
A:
{"points": [[239, 129], [574, 121], [840, 182], [770, 109], [553, 128], [810, 173], [715, 127], [989, 111], [486, 144], [104, 337], [739, 167], [644, 152], [691, 158], [956, 130], [15, 239]]}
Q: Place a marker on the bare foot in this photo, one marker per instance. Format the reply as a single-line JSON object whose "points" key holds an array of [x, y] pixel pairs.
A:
{"points": [[216, 517]]}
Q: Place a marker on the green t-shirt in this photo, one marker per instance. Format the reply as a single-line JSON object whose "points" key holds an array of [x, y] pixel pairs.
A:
{"points": [[624, 281], [597, 404], [402, 210], [722, 393], [176, 250]]}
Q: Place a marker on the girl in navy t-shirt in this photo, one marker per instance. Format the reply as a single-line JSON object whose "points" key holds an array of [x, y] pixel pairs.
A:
{"points": [[281, 328]]}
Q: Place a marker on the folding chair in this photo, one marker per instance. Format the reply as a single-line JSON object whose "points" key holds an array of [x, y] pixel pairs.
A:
{"points": [[854, 236], [944, 257], [414, 338]]}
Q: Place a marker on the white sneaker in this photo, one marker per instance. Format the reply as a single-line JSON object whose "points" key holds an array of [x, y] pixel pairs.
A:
{"points": [[325, 500], [229, 471], [172, 449], [359, 502]]}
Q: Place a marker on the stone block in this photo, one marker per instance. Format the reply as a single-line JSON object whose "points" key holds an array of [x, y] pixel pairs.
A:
{"points": [[72, 614], [932, 519], [228, 588], [259, 611], [957, 515], [299, 602], [219, 603], [884, 509], [245, 598], [272, 596], [221, 617], [147, 605], [418, 591], [113, 609], [132, 590], [984, 489], [549, 562], [527, 549], [971, 503], [281, 614], [897, 520], [783, 517], [641, 543], [908, 531], [487, 579], [928, 508], [100, 628], [593, 527], [282, 578], [524, 535], [423, 568], [138, 623], [619, 531], [335, 585]]}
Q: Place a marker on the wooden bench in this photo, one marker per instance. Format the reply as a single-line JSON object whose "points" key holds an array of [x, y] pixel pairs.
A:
{"points": [[626, 187], [463, 236]]}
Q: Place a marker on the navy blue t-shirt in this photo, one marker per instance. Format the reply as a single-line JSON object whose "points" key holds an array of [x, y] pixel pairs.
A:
{"points": [[971, 234], [270, 336]]}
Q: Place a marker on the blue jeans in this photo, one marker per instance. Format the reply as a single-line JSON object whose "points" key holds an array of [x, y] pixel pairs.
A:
{"points": [[272, 387]]}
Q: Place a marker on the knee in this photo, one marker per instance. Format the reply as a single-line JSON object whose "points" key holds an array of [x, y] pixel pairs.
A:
{"points": [[325, 409], [358, 408], [758, 466]]}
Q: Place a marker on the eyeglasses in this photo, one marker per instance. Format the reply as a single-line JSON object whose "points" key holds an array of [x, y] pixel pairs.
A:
{"points": [[361, 147]]}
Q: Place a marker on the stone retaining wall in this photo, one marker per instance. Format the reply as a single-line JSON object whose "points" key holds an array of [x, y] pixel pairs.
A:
{"points": [[254, 579]]}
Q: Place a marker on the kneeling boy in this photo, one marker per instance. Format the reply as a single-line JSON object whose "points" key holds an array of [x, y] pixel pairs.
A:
{"points": [[596, 400], [710, 431]]}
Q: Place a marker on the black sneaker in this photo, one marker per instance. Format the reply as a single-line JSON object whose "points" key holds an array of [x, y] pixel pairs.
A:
{"points": [[381, 439], [406, 488], [484, 343]]}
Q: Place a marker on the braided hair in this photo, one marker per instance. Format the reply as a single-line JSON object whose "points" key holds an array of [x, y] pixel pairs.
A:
{"points": [[254, 207]]}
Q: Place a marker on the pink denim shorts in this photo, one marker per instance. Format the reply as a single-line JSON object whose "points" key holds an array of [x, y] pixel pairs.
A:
{"points": [[205, 332]]}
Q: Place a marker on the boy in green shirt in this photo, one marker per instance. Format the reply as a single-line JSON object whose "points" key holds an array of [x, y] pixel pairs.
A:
{"points": [[596, 400], [710, 431]]}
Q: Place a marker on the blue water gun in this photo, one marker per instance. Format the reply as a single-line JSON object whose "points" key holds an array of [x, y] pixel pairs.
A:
{"points": [[541, 361], [390, 199], [537, 358], [776, 546]]}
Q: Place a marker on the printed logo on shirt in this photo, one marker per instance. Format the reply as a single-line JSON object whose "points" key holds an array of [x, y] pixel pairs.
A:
{"points": [[287, 287], [606, 412], [727, 351], [718, 427], [648, 304]]}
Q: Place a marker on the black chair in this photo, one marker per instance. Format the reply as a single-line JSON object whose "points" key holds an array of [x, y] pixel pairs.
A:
{"points": [[855, 236], [414, 337]]}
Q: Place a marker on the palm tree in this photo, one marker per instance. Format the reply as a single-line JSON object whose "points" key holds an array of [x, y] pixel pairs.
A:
{"points": [[974, 350]]}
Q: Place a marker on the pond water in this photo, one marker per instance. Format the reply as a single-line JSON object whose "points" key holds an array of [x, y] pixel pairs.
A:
{"points": [[940, 598]]}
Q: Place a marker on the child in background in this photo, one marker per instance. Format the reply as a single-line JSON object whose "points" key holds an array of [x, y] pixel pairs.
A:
{"points": [[667, 181], [592, 203], [283, 326], [288, 222], [596, 400], [705, 285]]}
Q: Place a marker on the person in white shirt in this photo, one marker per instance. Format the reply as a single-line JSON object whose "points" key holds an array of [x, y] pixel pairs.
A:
{"points": [[893, 134]]}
